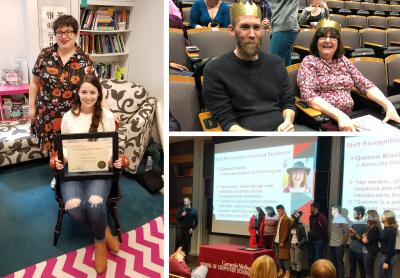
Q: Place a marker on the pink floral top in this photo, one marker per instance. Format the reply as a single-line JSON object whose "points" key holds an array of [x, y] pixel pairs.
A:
{"points": [[332, 81]]}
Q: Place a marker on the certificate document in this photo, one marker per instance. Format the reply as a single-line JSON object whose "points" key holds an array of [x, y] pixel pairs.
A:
{"points": [[371, 123], [88, 156]]}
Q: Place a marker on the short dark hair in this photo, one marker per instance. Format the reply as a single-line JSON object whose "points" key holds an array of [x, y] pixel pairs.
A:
{"points": [[280, 207], [66, 20], [321, 32], [316, 205], [360, 210], [337, 207]]}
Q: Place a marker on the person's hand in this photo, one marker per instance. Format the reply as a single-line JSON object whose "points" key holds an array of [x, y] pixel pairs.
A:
{"points": [[184, 213], [364, 239], [286, 126], [391, 114], [210, 25], [309, 9], [265, 23], [198, 26], [322, 4], [385, 266], [190, 231], [178, 66], [116, 118], [281, 245], [345, 123], [118, 163], [179, 255], [31, 114], [59, 165]]}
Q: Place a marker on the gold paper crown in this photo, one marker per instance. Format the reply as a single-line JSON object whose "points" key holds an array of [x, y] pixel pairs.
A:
{"points": [[243, 7], [323, 23]]}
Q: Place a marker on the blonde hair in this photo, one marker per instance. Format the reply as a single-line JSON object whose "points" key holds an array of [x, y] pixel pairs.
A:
{"points": [[263, 266], [323, 269]]}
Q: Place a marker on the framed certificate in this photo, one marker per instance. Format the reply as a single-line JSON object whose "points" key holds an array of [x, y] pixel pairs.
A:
{"points": [[87, 155]]}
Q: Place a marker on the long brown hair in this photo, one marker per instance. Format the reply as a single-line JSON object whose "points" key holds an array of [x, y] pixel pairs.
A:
{"points": [[98, 110]]}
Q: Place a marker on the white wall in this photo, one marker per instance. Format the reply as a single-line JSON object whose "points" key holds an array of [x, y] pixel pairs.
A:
{"points": [[146, 53], [13, 44]]}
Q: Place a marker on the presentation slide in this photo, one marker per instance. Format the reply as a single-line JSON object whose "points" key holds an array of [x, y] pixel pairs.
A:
{"points": [[371, 174], [261, 172]]}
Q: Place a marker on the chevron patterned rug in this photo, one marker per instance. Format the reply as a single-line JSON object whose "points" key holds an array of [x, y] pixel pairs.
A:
{"points": [[140, 255]]}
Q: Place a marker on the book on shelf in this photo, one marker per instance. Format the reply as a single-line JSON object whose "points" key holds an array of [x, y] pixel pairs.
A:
{"points": [[109, 71], [104, 18], [101, 44]]}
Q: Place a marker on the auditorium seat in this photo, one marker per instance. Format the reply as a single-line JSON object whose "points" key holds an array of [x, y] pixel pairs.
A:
{"points": [[395, 8], [379, 13], [339, 18], [183, 102], [351, 42], [370, 7], [393, 22], [186, 16], [374, 69], [376, 39], [177, 47], [352, 6], [356, 21], [392, 37], [392, 64], [384, 8], [335, 5], [377, 22], [212, 42], [363, 13], [303, 40], [344, 12]]}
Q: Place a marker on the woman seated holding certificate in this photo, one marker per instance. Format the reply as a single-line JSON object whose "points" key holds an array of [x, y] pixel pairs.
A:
{"points": [[85, 200], [326, 77]]}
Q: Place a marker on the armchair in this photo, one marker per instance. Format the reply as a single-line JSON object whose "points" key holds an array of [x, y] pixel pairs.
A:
{"points": [[136, 109]]}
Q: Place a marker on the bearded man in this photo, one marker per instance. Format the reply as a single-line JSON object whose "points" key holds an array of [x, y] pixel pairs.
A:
{"points": [[248, 89]]}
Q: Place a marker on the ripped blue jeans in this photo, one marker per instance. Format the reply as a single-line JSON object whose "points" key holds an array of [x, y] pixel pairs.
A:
{"points": [[85, 201]]}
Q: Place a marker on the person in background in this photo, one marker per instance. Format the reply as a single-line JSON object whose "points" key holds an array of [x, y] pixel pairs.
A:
{"points": [[178, 266], [284, 28], [370, 239], [322, 269], [270, 226], [298, 241], [187, 222], [209, 13], [264, 266], [388, 244], [326, 78], [318, 233], [314, 13], [282, 243], [338, 239], [266, 13], [358, 228], [85, 200], [256, 228]]}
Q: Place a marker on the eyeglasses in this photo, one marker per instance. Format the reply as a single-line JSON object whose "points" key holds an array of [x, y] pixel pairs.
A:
{"points": [[326, 37], [66, 33]]}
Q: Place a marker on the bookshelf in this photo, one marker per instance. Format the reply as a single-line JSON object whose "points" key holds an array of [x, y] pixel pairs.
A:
{"points": [[105, 34]]}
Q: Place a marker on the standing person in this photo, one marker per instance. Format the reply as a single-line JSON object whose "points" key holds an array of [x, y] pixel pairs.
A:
{"points": [[284, 28], [318, 233], [388, 244], [298, 240], [57, 76], [282, 243], [270, 226], [187, 222], [370, 239], [338, 239], [256, 228], [85, 199], [358, 228]]}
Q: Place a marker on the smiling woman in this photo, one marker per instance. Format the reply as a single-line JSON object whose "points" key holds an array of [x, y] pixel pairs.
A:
{"points": [[326, 77]]}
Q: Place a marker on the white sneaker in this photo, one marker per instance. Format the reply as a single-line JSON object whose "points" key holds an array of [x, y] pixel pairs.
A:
{"points": [[53, 183]]}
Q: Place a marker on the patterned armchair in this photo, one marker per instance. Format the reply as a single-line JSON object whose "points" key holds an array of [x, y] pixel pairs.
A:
{"points": [[136, 109]]}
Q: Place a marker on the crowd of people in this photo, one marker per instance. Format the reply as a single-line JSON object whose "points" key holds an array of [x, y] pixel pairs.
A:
{"points": [[372, 238]]}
